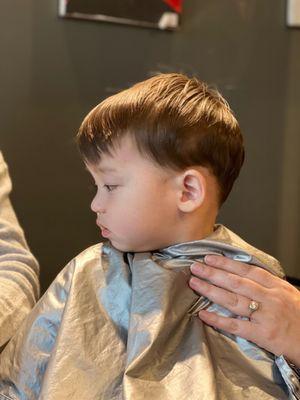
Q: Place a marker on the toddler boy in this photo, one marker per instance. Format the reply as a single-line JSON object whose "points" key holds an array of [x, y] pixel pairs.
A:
{"points": [[119, 321]]}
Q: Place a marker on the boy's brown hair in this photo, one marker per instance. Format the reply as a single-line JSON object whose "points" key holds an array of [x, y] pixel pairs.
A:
{"points": [[179, 122]]}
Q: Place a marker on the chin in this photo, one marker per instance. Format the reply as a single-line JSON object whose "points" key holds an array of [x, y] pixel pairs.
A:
{"points": [[130, 248], [122, 247]]}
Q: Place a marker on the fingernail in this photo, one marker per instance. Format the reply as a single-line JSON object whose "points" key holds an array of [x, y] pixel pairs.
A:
{"points": [[197, 267], [193, 282], [210, 259], [194, 265]]}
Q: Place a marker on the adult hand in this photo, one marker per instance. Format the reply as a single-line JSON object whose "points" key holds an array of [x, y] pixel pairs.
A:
{"points": [[274, 326]]}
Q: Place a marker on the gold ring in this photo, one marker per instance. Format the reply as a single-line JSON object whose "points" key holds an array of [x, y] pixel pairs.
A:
{"points": [[253, 306]]}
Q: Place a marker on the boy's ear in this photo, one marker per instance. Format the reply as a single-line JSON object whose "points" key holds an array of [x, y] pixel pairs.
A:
{"points": [[192, 190]]}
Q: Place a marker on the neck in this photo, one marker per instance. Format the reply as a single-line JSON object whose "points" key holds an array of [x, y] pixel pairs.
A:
{"points": [[195, 226], [190, 234]]}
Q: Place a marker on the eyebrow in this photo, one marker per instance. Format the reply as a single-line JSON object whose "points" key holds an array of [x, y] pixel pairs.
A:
{"points": [[103, 169], [106, 169]]}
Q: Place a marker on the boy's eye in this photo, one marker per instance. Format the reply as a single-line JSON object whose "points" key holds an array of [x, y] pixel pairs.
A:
{"points": [[110, 188]]}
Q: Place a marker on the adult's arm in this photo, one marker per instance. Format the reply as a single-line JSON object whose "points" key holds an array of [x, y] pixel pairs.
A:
{"points": [[19, 281], [275, 326]]}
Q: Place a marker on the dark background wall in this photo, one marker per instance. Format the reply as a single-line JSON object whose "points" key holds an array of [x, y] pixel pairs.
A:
{"points": [[52, 71]]}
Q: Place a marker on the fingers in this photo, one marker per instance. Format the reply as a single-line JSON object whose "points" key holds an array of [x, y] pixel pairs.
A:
{"points": [[232, 284], [226, 280], [238, 327], [256, 274], [235, 303]]}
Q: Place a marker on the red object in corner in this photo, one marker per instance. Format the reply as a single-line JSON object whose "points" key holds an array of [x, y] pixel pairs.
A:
{"points": [[175, 4]]}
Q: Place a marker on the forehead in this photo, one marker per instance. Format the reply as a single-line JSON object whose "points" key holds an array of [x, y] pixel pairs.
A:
{"points": [[125, 158], [124, 153]]}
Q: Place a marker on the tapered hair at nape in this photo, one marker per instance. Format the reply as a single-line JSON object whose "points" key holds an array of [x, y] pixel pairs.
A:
{"points": [[177, 121]]}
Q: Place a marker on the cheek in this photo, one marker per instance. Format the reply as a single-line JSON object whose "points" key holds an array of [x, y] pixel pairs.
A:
{"points": [[132, 217], [146, 205]]}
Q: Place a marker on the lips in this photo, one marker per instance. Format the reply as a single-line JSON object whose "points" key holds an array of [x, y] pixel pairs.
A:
{"points": [[104, 231]]}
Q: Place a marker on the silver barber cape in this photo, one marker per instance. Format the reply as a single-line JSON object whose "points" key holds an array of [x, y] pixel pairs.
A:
{"points": [[119, 325]]}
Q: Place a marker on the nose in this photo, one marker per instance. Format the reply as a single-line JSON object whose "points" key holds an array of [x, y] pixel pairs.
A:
{"points": [[96, 205]]}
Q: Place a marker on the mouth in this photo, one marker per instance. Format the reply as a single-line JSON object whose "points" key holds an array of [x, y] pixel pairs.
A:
{"points": [[104, 231]]}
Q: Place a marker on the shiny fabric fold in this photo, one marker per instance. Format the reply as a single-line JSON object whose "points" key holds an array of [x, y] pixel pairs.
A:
{"points": [[119, 325]]}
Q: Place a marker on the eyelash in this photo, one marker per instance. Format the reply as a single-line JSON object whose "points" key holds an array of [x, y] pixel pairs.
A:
{"points": [[110, 188]]}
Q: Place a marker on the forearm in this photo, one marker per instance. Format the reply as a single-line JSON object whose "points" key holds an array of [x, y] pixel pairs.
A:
{"points": [[19, 285]]}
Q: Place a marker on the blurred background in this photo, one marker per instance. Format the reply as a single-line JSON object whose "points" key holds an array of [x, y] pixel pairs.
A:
{"points": [[54, 70]]}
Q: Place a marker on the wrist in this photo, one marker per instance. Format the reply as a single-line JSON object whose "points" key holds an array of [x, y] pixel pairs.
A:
{"points": [[290, 376], [294, 365]]}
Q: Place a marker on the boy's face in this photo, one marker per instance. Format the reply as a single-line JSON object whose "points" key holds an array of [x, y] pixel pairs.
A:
{"points": [[135, 202]]}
